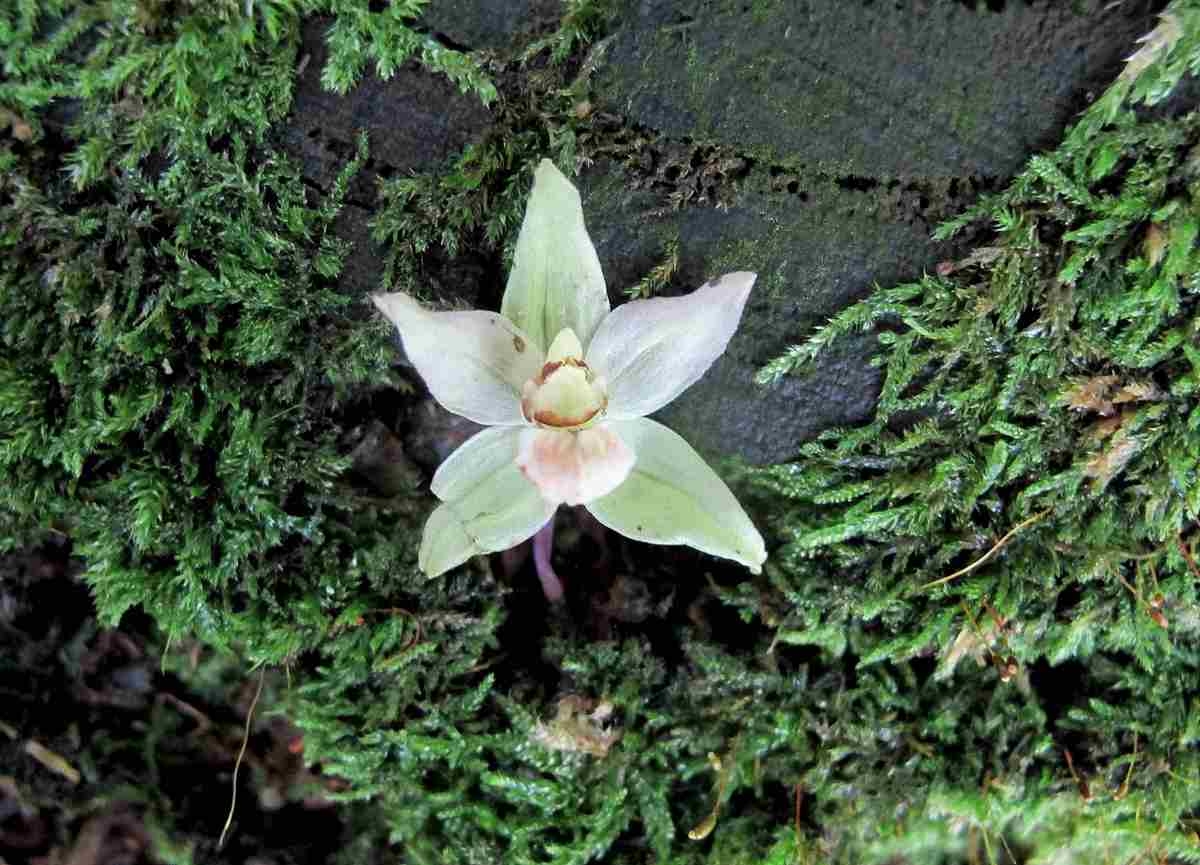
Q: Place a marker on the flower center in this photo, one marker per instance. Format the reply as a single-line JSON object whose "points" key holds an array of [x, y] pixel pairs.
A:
{"points": [[566, 394]]}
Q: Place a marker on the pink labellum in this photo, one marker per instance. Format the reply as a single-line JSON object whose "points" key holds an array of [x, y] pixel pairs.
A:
{"points": [[574, 467]]}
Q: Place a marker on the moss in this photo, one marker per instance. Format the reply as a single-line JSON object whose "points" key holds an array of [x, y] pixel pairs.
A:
{"points": [[960, 90], [181, 379], [1003, 510]]}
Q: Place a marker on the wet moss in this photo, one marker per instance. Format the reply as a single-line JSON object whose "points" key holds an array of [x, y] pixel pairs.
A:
{"points": [[183, 372]]}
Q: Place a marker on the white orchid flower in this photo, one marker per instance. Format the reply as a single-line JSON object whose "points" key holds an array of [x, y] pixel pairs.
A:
{"points": [[565, 386]]}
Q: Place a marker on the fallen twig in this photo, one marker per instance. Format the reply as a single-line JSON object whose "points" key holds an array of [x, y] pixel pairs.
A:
{"points": [[986, 557], [52, 761], [241, 754]]}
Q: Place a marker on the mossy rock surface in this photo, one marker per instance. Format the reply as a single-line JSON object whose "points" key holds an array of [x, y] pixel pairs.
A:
{"points": [[975, 637], [822, 165], [774, 142], [497, 25], [933, 88], [814, 253], [414, 120]]}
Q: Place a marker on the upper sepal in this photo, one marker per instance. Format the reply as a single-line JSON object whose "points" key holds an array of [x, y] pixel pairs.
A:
{"points": [[556, 281]]}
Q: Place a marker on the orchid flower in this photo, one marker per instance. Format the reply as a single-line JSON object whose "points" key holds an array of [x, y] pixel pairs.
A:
{"points": [[564, 385]]}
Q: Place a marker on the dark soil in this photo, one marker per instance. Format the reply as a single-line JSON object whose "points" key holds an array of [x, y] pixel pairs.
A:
{"points": [[105, 759]]}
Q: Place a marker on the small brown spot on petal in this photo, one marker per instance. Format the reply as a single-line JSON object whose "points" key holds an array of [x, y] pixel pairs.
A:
{"points": [[518, 343]]}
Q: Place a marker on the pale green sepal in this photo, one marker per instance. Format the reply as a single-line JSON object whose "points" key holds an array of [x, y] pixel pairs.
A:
{"points": [[475, 460], [474, 362], [650, 351], [556, 281], [489, 505], [673, 497], [445, 543]]}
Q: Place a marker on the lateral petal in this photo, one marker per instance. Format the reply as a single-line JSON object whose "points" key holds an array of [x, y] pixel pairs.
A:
{"points": [[673, 497], [488, 505], [474, 362], [556, 281], [650, 351]]}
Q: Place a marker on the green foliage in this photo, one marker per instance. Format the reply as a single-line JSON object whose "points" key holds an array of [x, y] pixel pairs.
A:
{"points": [[1027, 494], [387, 37], [477, 201], [166, 361], [175, 77], [660, 275], [181, 378], [582, 21]]}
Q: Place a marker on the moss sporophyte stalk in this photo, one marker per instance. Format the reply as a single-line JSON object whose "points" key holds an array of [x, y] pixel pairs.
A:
{"points": [[565, 385]]}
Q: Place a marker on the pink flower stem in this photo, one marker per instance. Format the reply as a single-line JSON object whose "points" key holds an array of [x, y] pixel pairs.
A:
{"points": [[543, 543]]}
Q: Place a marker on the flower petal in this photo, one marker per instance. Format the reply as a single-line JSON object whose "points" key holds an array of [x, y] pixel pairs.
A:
{"points": [[475, 460], [474, 362], [651, 351], [673, 497], [556, 281], [488, 504], [574, 467]]}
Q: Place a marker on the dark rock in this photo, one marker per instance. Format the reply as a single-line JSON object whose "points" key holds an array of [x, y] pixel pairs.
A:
{"points": [[432, 434], [363, 266], [726, 412], [415, 120], [134, 678], [818, 145], [380, 460], [499, 25], [813, 256], [867, 88]]}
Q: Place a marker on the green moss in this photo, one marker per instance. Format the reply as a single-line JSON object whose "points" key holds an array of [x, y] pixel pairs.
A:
{"points": [[1026, 496], [181, 378]]}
